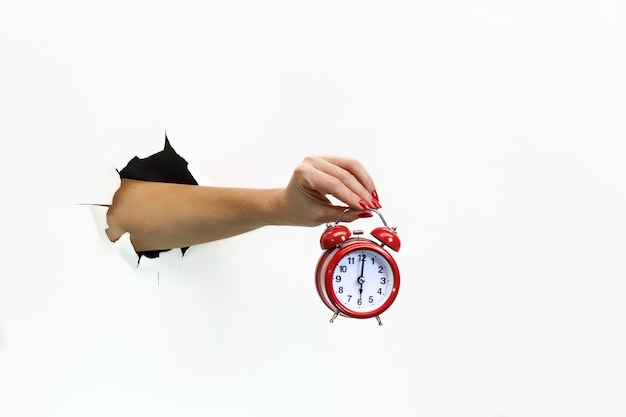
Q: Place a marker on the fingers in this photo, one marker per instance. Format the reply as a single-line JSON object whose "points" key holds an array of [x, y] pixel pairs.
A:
{"points": [[344, 178]]}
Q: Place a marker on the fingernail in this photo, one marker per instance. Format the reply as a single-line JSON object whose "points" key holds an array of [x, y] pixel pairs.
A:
{"points": [[376, 203], [366, 214], [375, 194], [364, 204]]}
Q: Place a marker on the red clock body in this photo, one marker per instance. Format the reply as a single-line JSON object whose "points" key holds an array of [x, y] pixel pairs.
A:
{"points": [[355, 276]]}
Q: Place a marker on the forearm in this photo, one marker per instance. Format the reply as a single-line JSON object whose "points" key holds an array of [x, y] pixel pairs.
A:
{"points": [[165, 215]]}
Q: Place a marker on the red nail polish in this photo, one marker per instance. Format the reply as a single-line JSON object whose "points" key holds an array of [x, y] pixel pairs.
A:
{"points": [[376, 203], [366, 214], [364, 204], [375, 194]]}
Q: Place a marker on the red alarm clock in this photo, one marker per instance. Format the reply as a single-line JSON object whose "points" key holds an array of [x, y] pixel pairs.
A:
{"points": [[357, 277]]}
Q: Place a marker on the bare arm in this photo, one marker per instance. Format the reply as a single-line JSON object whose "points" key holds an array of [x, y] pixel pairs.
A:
{"points": [[164, 215]]}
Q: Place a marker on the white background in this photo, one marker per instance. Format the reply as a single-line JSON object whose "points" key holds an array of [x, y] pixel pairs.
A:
{"points": [[494, 131]]}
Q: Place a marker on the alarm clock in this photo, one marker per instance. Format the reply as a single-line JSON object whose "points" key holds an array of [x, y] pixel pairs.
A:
{"points": [[357, 277]]}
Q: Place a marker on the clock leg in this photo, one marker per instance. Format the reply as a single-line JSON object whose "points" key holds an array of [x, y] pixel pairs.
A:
{"points": [[380, 323], [332, 319]]}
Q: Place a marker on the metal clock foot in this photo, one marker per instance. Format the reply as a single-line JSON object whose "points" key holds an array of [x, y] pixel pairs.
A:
{"points": [[332, 319]]}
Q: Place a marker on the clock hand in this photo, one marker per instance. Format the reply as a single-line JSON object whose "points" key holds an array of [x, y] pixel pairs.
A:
{"points": [[361, 280], [362, 266]]}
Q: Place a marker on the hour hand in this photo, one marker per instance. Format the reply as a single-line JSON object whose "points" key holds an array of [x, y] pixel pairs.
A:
{"points": [[361, 280]]}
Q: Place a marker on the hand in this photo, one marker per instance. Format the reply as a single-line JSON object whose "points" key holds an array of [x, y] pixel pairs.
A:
{"points": [[304, 201]]}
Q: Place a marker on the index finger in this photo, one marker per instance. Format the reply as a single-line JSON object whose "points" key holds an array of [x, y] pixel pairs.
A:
{"points": [[349, 180]]}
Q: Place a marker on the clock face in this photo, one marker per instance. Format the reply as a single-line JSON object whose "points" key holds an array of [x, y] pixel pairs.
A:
{"points": [[363, 280]]}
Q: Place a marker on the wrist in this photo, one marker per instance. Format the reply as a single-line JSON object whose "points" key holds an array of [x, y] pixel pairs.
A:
{"points": [[278, 208]]}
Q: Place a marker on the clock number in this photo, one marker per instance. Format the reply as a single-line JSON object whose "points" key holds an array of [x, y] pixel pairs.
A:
{"points": [[343, 268], [359, 301], [371, 299], [380, 291], [362, 257], [340, 290], [380, 269], [383, 280], [338, 278], [349, 297]]}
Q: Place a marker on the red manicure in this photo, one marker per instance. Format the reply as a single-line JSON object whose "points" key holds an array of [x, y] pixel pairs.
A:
{"points": [[375, 200], [364, 204], [366, 214]]}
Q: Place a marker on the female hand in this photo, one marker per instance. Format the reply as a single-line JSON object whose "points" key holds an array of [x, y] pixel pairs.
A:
{"points": [[304, 201]]}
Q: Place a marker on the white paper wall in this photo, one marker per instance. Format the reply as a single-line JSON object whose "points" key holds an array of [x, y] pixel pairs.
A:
{"points": [[494, 132]]}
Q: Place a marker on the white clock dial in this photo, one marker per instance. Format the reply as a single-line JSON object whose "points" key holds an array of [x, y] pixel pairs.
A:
{"points": [[363, 280]]}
